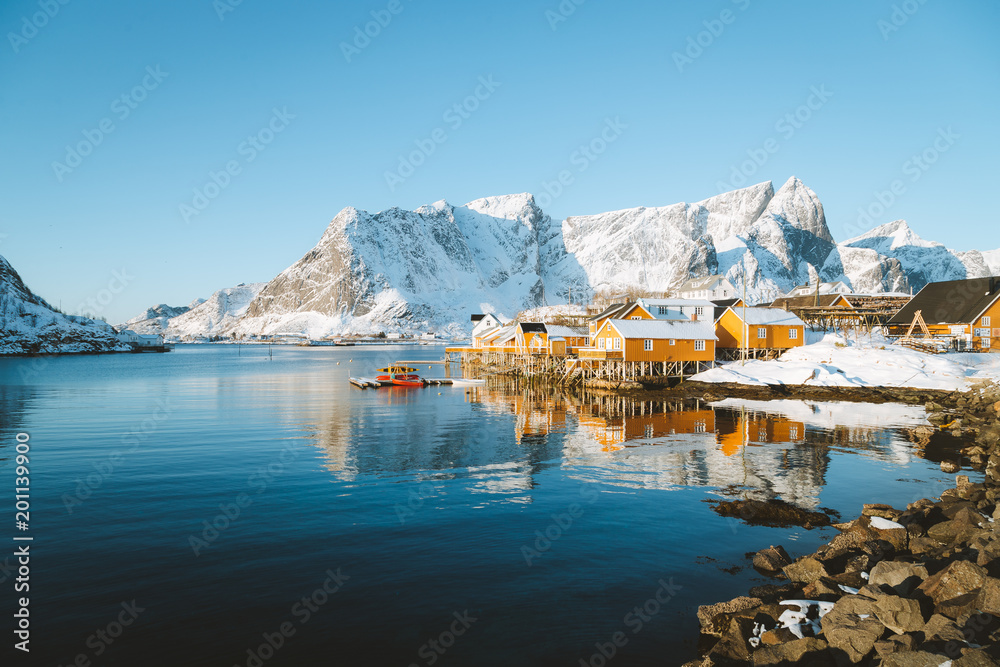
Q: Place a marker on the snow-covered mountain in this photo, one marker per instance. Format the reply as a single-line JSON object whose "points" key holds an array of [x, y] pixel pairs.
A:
{"points": [[29, 325], [429, 269], [213, 316], [156, 319]]}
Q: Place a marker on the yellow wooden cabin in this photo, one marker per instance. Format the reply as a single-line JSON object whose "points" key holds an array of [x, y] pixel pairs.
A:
{"points": [[654, 340], [965, 311], [759, 329]]}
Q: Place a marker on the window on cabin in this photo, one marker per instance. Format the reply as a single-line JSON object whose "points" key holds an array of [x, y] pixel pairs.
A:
{"points": [[986, 321], [793, 333], [699, 346], [699, 310], [673, 341], [600, 343], [618, 343], [663, 310], [647, 345], [636, 317], [761, 332]]}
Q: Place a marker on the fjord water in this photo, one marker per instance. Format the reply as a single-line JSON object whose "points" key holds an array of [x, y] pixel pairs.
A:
{"points": [[448, 526]]}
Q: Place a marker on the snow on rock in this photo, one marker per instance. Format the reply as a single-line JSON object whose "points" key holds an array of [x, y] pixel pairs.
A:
{"points": [[214, 315], [922, 261], [156, 319], [835, 361], [29, 325], [879, 523]]}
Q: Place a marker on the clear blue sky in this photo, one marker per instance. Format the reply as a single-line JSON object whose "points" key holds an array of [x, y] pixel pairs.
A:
{"points": [[888, 93]]}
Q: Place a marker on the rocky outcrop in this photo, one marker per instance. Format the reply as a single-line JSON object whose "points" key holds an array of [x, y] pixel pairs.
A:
{"points": [[913, 586], [29, 325]]}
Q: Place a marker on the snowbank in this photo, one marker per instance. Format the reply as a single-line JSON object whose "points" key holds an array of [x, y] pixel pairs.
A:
{"points": [[834, 361]]}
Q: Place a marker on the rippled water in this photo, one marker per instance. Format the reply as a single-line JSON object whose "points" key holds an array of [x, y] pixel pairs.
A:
{"points": [[494, 526]]}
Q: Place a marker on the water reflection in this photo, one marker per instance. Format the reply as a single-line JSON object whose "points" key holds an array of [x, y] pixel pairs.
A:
{"points": [[501, 436]]}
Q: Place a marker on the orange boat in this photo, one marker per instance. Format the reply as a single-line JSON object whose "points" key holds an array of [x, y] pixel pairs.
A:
{"points": [[402, 376]]}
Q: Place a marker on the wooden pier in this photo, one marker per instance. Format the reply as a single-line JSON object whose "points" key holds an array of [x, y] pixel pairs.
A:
{"points": [[572, 369]]}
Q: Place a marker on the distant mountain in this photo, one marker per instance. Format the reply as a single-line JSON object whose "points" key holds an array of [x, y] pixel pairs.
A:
{"points": [[429, 269], [201, 318], [29, 325], [156, 319]]}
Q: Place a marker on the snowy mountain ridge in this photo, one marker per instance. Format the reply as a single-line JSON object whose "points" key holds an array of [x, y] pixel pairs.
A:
{"points": [[429, 269]]}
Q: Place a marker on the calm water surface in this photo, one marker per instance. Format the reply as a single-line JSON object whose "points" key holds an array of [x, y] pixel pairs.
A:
{"points": [[218, 487]]}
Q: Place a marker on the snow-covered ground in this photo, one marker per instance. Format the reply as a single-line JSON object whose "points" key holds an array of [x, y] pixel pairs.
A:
{"points": [[833, 361]]}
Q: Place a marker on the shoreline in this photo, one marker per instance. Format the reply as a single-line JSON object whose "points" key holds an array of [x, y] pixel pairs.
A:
{"points": [[914, 586]]}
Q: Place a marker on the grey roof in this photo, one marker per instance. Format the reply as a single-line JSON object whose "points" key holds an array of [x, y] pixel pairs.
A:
{"points": [[612, 310], [680, 329], [701, 283], [478, 317], [764, 316], [951, 302]]}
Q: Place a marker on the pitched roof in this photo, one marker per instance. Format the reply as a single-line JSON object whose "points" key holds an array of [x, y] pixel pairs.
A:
{"points": [[684, 330], [701, 283], [611, 310], [725, 303], [765, 316], [676, 303], [532, 327], [476, 317], [807, 301], [566, 332], [951, 302]]}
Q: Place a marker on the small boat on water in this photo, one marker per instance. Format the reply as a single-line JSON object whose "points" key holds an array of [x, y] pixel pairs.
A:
{"points": [[401, 376]]}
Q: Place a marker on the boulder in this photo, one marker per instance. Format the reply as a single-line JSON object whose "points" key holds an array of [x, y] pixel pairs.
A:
{"points": [[988, 599], [792, 653], [805, 570], [895, 644], [772, 559], [851, 627], [975, 658], [901, 615], [958, 578], [714, 618], [914, 659], [881, 510], [777, 636], [733, 648], [942, 629], [775, 592], [901, 577], [960, 607]]}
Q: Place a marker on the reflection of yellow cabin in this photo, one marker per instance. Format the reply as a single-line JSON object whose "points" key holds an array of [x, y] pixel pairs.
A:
{"points": [[762, 328], [757, 429], [612, 432]]}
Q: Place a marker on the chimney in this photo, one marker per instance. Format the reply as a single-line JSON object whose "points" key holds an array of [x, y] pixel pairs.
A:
{"points": [[694, 317]]}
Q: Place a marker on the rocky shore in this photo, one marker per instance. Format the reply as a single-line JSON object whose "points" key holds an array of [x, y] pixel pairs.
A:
{"points": [[917, 587]]}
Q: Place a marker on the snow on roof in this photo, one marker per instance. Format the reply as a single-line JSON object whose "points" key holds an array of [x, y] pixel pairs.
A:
{"points": [[684, 330], [676, 303], [702, 283], [566, 332], [763, 316]]}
